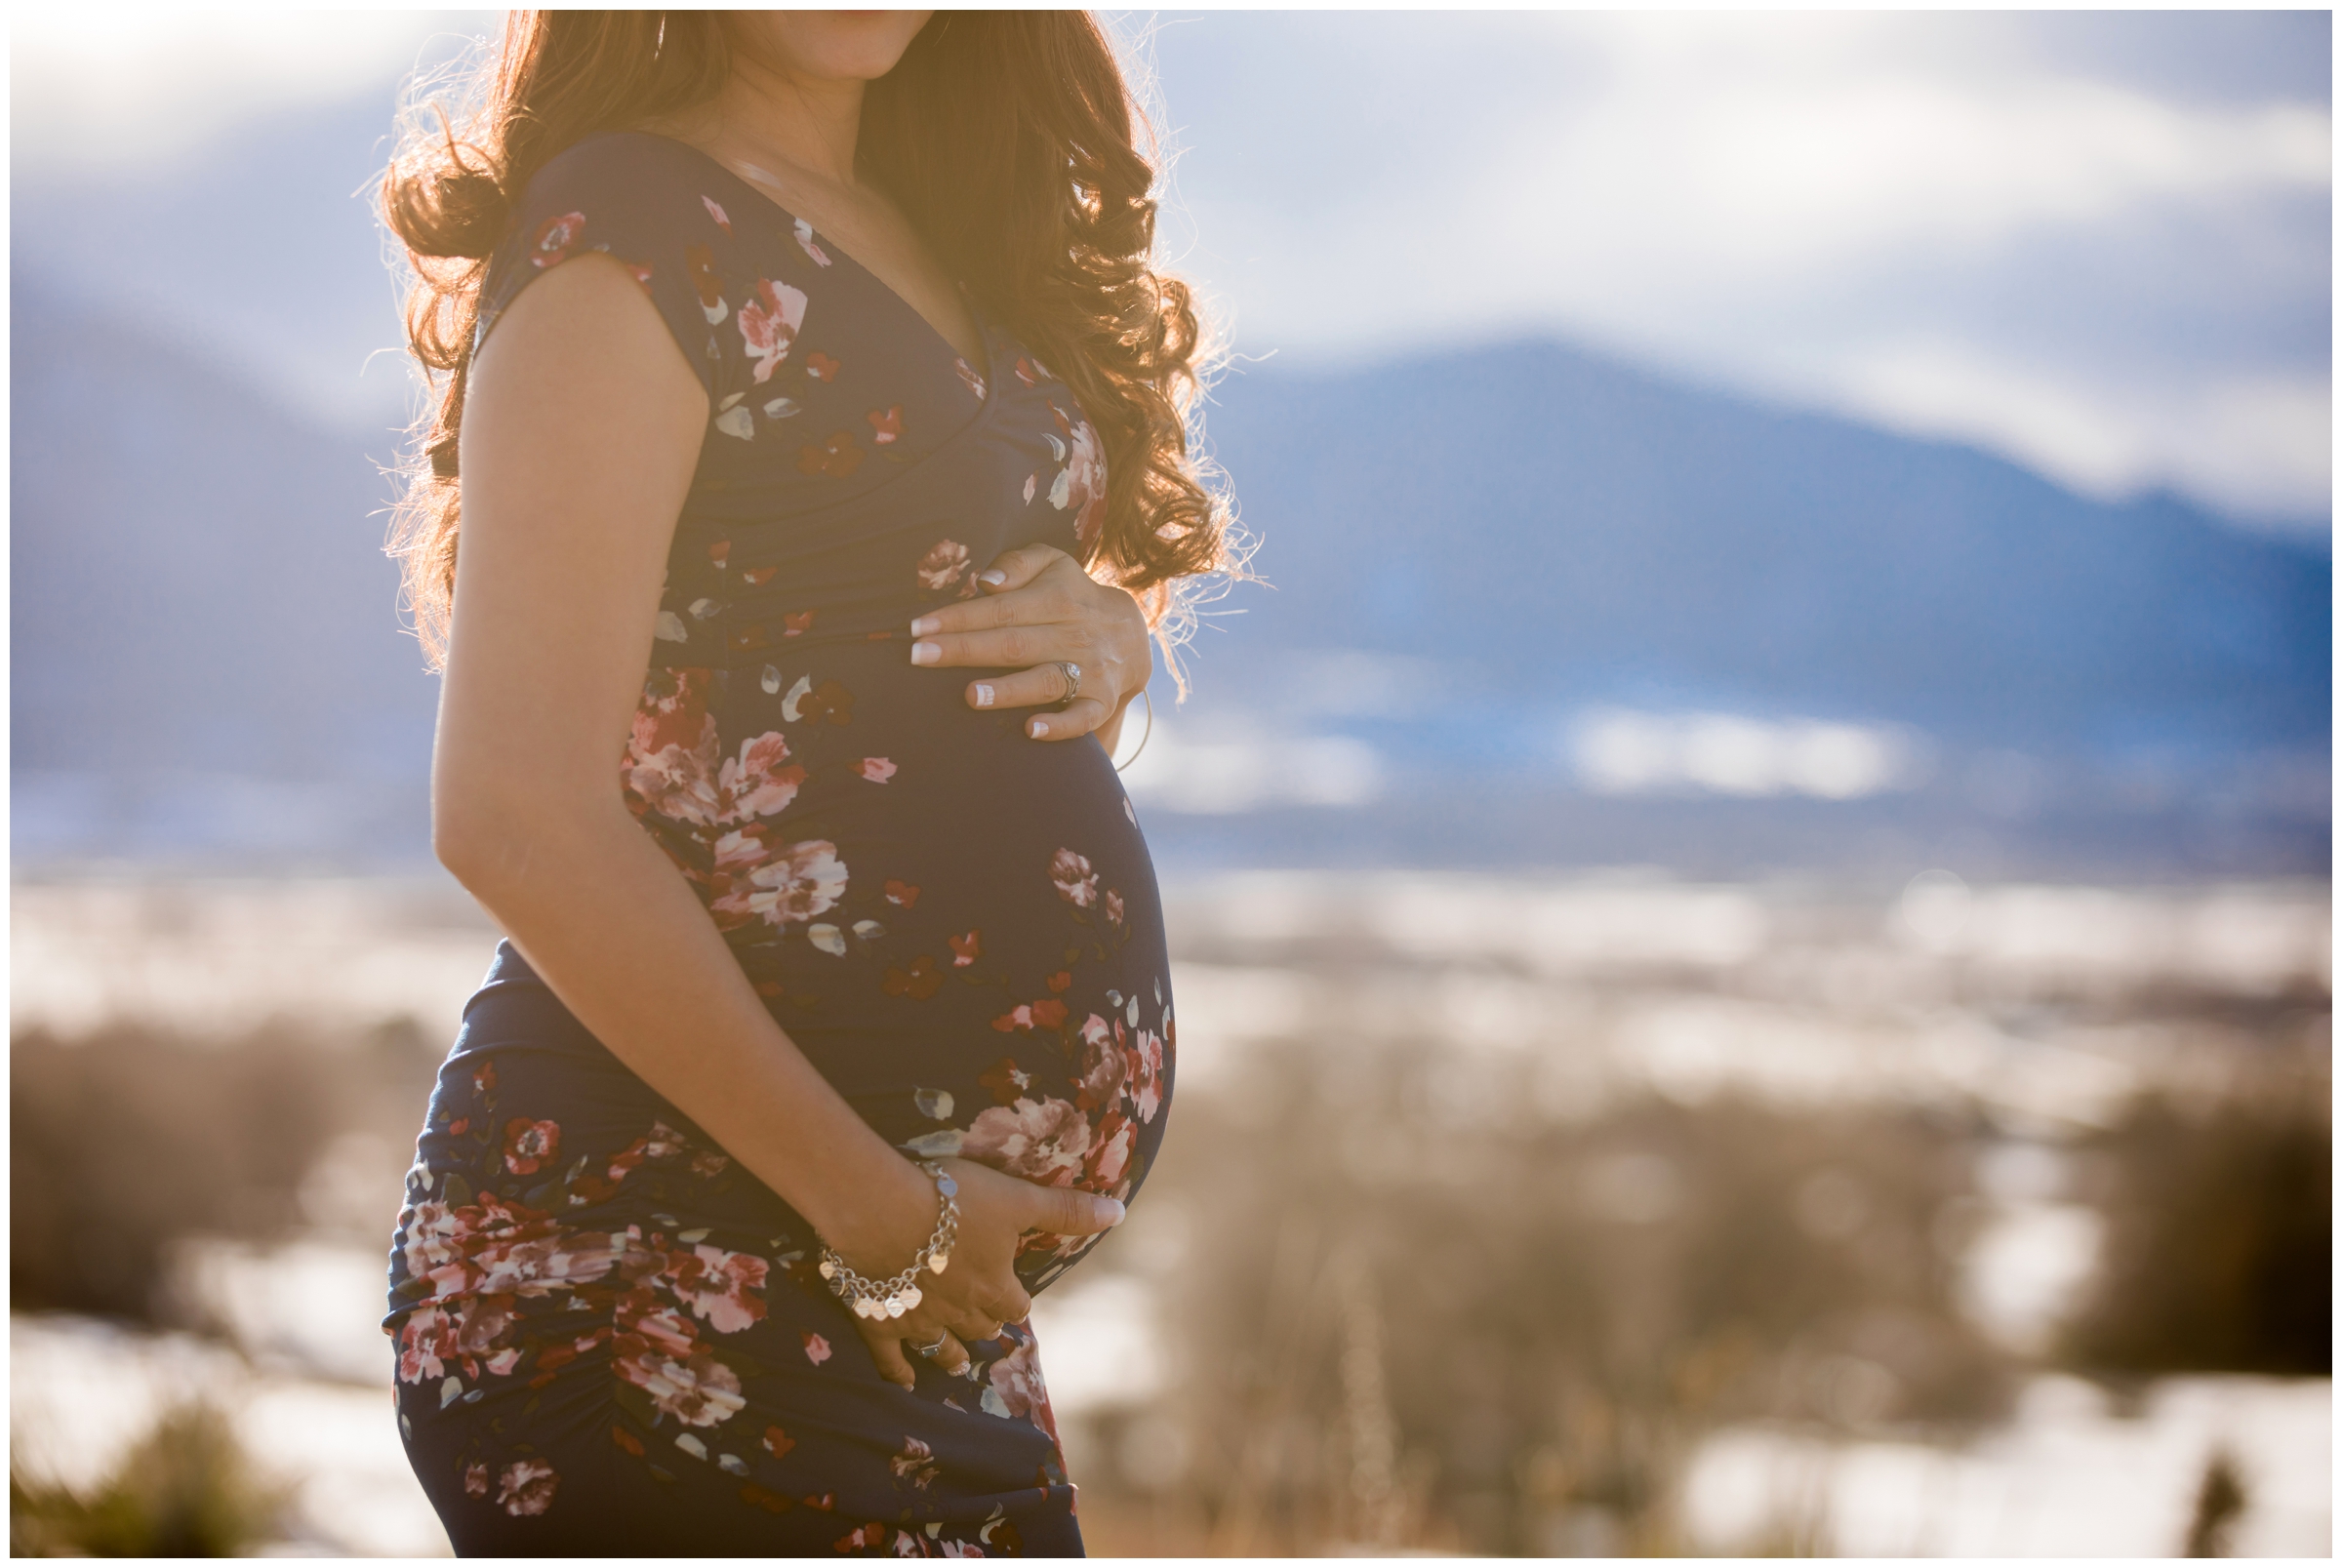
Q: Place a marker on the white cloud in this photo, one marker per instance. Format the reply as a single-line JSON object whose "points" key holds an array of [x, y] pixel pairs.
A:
{"points": [[1868, 213], [106, 88]]}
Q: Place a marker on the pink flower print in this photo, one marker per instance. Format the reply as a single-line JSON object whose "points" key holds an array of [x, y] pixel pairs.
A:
{"points": [[527, 1487], [722, 1287], [1031, 483], [671, 763], [1042, 1142], [1076, 883], [915, 1463], [887, 426], [529, 1145], [943, 565], [426, 1342], [1113, 909], [1016, 1389], [555, 238], [769, 323], [838, 457], [1080, 486], [875, 769], [969, 379], [434, 1237], [1110, 1154], [717, 212], [755, 783], [700, 263], [1147, 1082], [476, 1479], [817, 1348], [806, 243], [802, 881], [1103, 1067], [698, 1391]]}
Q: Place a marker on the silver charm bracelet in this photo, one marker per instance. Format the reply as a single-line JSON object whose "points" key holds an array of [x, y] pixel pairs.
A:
{"points": [[891, 1297]]}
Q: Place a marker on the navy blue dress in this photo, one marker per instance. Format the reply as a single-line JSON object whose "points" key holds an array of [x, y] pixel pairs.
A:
{"points": [[611, 1338]]}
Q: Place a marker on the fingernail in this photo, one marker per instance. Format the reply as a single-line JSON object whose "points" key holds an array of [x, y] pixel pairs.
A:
{"points": [[926, 653], [984, 694], [925, 625], [990, 580], [1040, 729], [1113, 1210]]}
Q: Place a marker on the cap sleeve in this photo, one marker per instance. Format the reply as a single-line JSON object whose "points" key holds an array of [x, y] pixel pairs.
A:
{"points": [[638, 200]]}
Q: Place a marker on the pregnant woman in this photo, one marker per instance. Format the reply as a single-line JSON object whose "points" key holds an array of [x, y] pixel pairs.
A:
{"points": [[786, 360]]}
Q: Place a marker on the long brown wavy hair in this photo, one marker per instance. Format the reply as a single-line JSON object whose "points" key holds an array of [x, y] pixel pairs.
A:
{"points": [[1005, 137]]}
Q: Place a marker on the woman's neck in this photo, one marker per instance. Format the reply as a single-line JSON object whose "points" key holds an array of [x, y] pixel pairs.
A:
{"points": [[787, 123]]}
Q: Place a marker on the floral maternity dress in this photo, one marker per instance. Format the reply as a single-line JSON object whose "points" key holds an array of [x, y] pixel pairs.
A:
{"points": [[611, 1338]]}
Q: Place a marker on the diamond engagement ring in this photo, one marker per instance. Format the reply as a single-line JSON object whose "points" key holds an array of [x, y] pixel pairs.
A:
{"points": [[928, 1352], [1072, 673]]}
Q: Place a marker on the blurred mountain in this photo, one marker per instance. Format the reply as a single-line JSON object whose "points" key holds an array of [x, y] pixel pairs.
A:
{"points": [[204, 630], [1561, 530]]}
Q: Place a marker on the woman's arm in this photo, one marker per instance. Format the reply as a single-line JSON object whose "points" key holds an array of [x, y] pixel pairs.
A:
{"points": [[581, 431]]}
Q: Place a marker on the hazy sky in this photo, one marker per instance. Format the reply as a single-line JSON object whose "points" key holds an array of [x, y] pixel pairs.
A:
{"points": [[2096, 242]]}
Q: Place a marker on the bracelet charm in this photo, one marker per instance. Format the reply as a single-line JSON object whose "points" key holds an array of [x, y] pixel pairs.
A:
{"points": [[891, 1297]]}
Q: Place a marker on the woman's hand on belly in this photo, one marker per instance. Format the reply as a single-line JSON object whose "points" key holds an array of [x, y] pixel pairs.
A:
{"points": [[979, 1292], [1040, 607]]}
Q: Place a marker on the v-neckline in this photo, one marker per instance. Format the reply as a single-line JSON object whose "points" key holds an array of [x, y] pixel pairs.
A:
{"points": [[984, 329]]}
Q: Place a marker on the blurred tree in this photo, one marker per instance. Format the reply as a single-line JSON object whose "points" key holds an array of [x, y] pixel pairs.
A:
{"points": [[2220, 1255], [185, 1491]]}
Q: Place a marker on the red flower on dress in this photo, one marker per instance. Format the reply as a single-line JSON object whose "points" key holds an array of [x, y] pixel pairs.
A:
{"points": [[920, 982], [778, 1443], [903, 895], [806, 243], [1059, 981], [877, 770], [817, 1348], [769, 323], [483, 1079], [719, 552], [717, 213], [821, 367], [1006, 1081], [838, 457], [700, 263], [968, 378], [1017, 1389], [915, 1463], [529, 1145], [757, 577], [1113, 909], [1048, 1014], [1076, 883], [722, 1287], [966, 949], [941, 568], [887, 427], [555, 238], [1080, 486], [476, 1479], [828, 700], [1038, 1142], [527, 1487], [798, 623]]}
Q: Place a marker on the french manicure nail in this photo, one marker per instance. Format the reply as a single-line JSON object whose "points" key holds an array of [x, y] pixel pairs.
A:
{"points": [[1040, 728], [925, 625], [991, 579], [926, 653], [983, 694], [1115, 1210]]}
